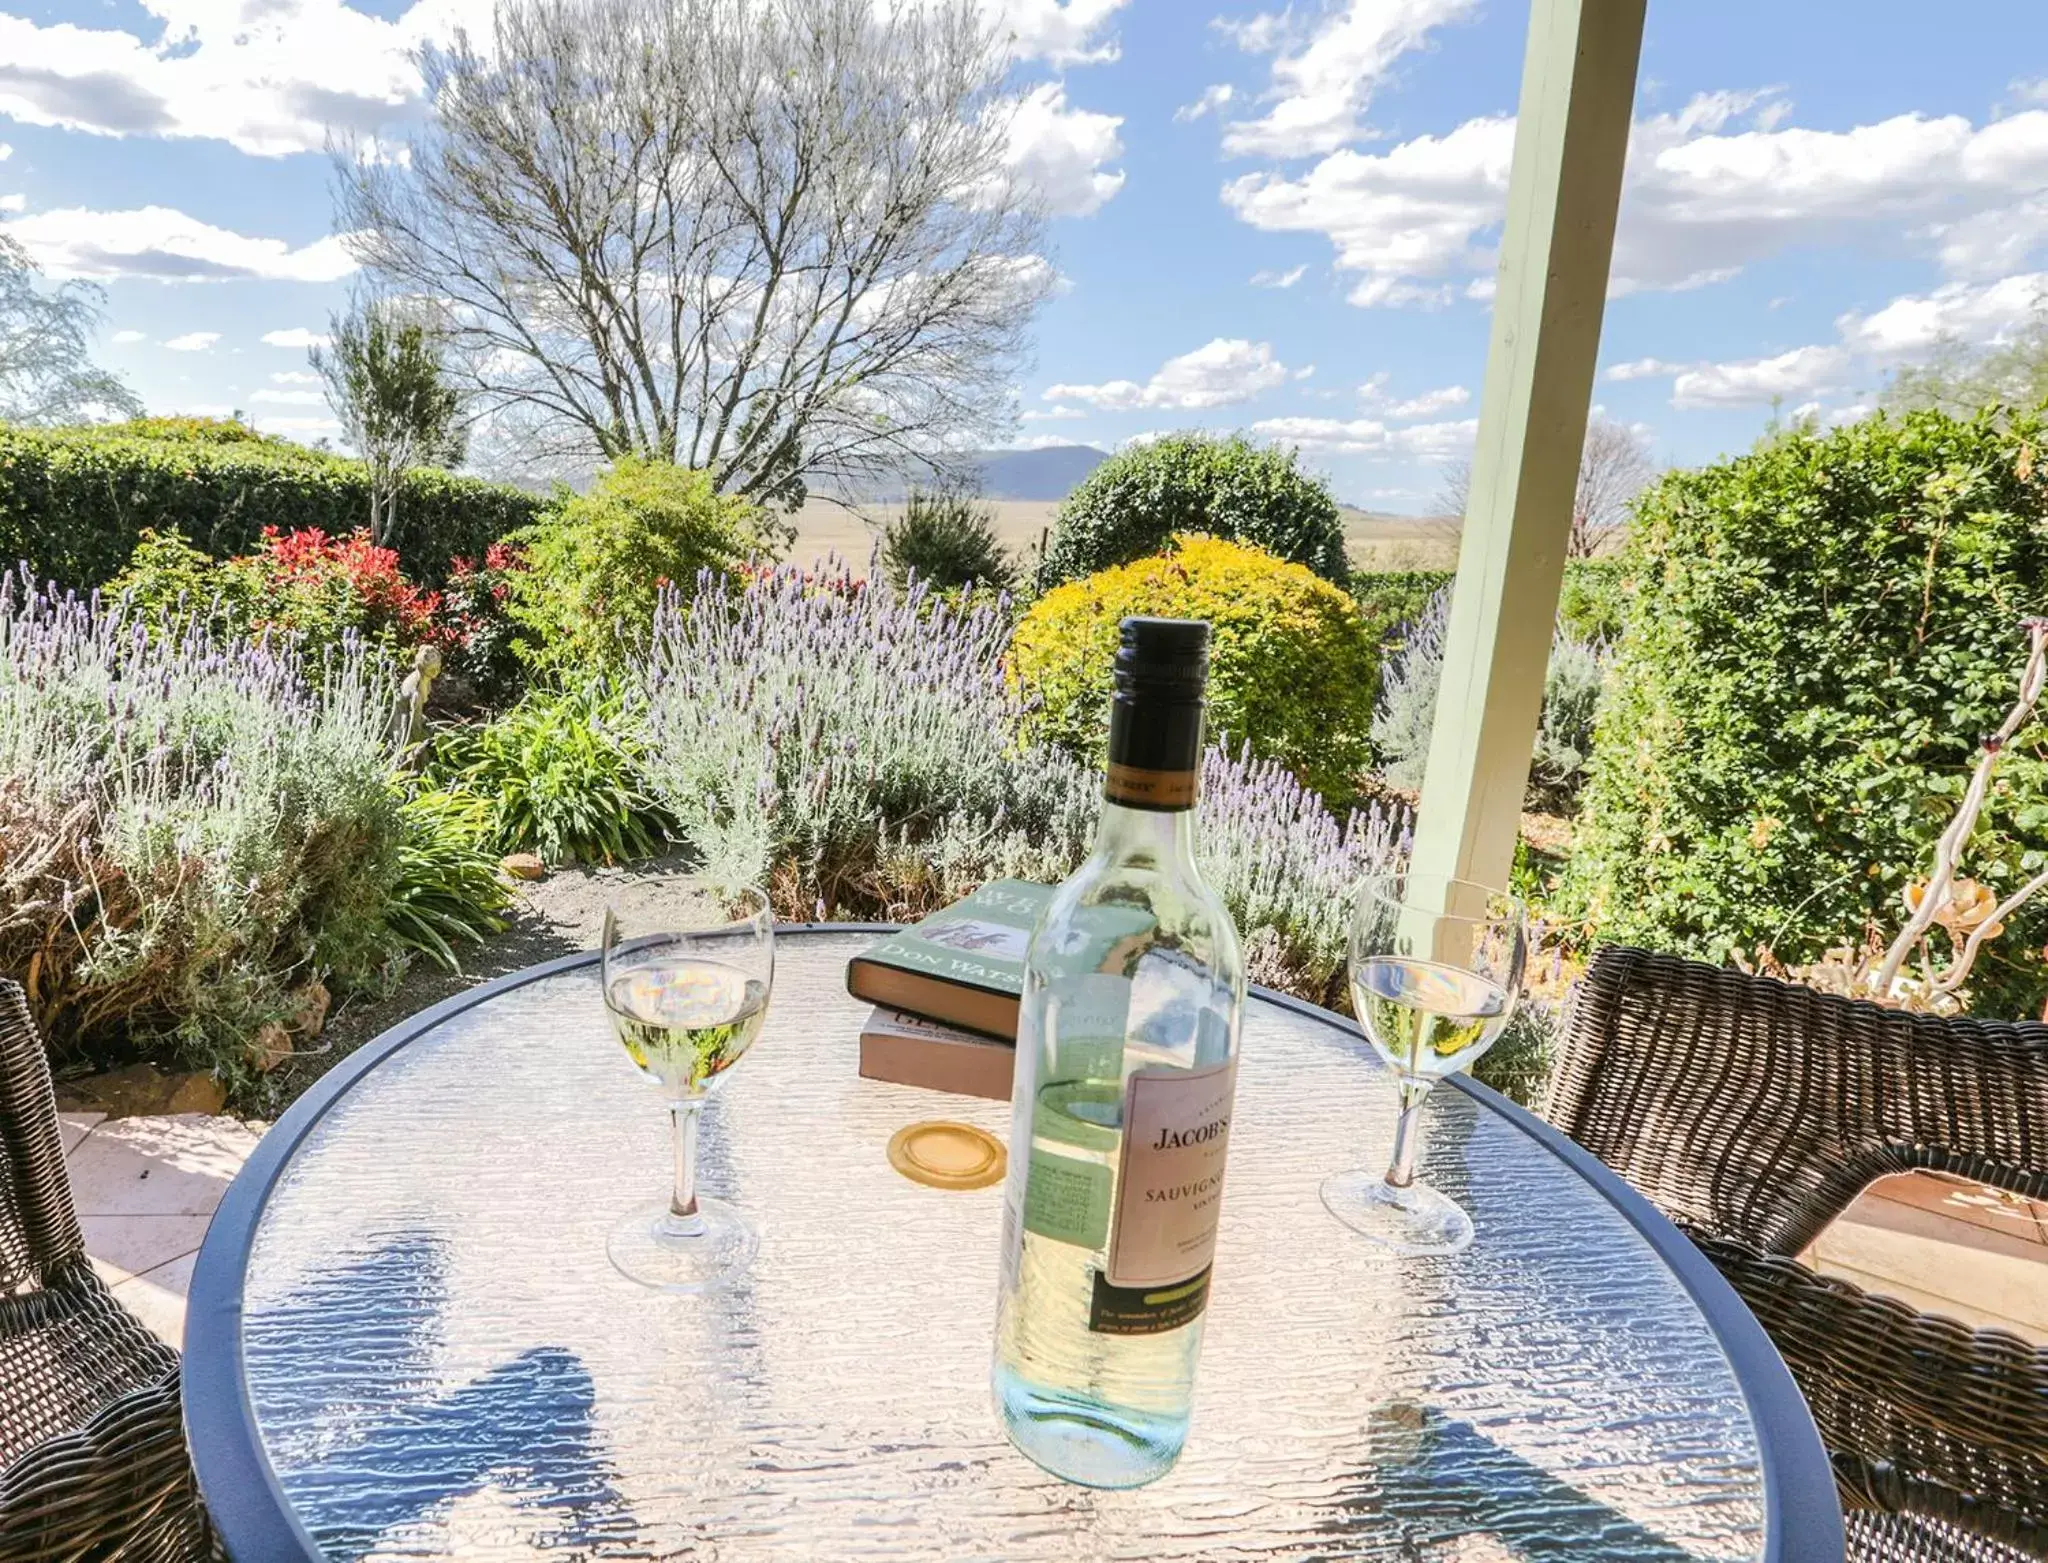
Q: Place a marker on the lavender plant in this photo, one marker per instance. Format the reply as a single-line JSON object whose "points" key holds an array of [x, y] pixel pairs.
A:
{"points": [[847, 746], [192, 826], [1407, 706], [853, 748]]}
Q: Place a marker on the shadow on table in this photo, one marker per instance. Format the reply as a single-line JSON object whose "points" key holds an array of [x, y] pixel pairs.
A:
{"points": [[362, 1336], [1432, 1480]]}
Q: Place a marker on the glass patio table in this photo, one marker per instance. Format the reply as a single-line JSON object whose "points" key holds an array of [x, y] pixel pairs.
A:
{"points": [[405, 1340]]}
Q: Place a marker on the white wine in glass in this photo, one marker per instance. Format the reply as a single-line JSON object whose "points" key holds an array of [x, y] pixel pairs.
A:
{"points": [[686, 982], [1436, 966]]}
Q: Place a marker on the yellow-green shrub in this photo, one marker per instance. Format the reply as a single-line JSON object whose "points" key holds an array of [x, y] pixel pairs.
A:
{"points": [[1294, 669]]}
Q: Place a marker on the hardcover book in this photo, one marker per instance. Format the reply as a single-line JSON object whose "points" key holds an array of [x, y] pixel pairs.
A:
{"points": [[963, 966], [909, 1051]]}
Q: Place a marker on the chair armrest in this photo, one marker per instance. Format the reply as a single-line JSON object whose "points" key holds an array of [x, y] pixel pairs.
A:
{"points": [[1920, 1413]]}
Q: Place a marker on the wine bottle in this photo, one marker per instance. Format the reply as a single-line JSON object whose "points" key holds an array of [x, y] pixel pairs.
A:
{"points": [[1121, 1101]]}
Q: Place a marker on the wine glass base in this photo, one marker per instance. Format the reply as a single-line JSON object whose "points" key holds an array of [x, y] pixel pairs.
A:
{"points": [[1412, 1221], [683, 1254]]}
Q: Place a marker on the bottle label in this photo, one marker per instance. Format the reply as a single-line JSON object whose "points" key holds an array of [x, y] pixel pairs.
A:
{"points": [[1137, 1310], [1169, 1187], [1137, 788]]}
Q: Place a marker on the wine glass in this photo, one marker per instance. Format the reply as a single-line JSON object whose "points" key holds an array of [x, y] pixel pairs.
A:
{"points": [[1436, 967], [686, 976]]}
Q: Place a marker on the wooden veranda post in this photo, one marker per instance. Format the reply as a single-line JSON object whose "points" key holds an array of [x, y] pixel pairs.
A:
{"points": [[1578, 91]]}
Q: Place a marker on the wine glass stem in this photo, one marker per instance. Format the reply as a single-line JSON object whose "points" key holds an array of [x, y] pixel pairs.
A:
{"points": [[1407, 1130], [683, 1117]]}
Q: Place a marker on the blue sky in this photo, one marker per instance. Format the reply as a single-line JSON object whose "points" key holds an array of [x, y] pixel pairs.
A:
{"points": [[1283, 221]]}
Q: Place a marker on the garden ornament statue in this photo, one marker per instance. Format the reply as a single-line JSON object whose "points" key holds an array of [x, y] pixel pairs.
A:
{"points": [[409, 716]]}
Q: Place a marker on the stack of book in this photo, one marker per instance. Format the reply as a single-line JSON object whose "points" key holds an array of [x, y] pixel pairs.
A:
{"points": [[946, 993]]}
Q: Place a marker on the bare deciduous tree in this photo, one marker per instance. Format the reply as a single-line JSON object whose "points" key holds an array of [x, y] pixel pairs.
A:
{"points": [[1615, 465], [769, 238], [46, 370]]}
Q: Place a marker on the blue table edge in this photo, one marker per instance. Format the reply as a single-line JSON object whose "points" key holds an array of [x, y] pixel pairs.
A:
{"points": [[1802, 1518]]}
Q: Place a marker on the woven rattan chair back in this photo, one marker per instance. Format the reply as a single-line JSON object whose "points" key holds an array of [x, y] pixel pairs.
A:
{"points": [[38, 1230], [1757, 1110], [1754, 1111]]}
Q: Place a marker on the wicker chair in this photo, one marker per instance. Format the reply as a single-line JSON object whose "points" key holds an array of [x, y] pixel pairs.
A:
{"points": [[1753, 1112], [92, 1445]]}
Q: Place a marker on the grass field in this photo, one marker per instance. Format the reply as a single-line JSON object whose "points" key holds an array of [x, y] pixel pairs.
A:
{"points": [[1375, 542]]}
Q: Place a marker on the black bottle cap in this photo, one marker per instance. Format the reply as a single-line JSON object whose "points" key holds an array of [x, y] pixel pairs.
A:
{"points": [[1166, 658]]}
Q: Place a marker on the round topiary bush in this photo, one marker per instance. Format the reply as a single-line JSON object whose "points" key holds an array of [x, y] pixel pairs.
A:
{"points": [[1293, 666], [1130, 505], [1820, 633]]}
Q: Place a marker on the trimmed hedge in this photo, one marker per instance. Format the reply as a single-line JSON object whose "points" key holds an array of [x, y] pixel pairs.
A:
{"points": [[74, 501], [1293, 669], [1134, 502], [1820, 634], [1591, 606]]}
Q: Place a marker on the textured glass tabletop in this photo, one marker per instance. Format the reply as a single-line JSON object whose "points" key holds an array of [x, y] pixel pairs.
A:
{"points": [[438, 1361]]}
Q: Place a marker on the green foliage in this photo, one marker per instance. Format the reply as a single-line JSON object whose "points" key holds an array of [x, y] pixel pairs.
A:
{"points": [[596, 565], [1195, 483], [1392, 600], [448, 890], [193, 830], [1293, 667], [386, 383], [75, 501], [948, 540], [561, 774], [1820, 633]]}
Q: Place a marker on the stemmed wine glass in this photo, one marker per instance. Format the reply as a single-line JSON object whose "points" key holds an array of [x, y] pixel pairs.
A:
{"points": [[686, 976], [1436, 967]]}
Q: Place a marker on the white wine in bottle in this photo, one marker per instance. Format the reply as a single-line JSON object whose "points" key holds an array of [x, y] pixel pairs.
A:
{"points": [[1120, 1109]]}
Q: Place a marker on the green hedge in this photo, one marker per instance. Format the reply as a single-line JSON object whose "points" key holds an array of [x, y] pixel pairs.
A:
{"points": [[74, 501], [1821, 632], [1594, 597]]}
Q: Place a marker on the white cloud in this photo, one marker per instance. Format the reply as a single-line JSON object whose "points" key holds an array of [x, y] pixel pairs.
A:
{"points": [[1750, 381], [1279, 279], [296, 336], [1321, 90], [1432, 442], [1260, 34], [1306, 371], [268, 79], [1642, 369], [193, 341], [1971, 312], [1061, 32], [1038, 442], [1709, 189], [167, 246], [295, 377], [1059, 152], [13, 203], [1053, 414], [125, 337], [6, 151], [288, 398], [273, 77], [1224, 371], [1212, 99], [2031, 91], [1429, 403]]}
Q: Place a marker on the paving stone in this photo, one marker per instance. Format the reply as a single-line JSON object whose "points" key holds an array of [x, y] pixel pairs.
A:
{"points": [[76, 1126], [172, 1166], [157, 1298], [125, 1246]]}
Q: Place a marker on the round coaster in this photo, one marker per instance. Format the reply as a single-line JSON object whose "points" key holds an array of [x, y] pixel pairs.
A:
{"points": [[947, 1155]]}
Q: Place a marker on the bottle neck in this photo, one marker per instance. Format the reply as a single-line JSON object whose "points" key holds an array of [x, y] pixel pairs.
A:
{"points": [[1159, 835], [1155, 753]]}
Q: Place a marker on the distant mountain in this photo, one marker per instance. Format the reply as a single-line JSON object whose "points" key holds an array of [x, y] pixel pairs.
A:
{"points": [[1051, 473]]}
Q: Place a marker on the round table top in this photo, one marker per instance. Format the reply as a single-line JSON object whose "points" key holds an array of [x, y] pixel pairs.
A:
{"points": [[405, 1339]]}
